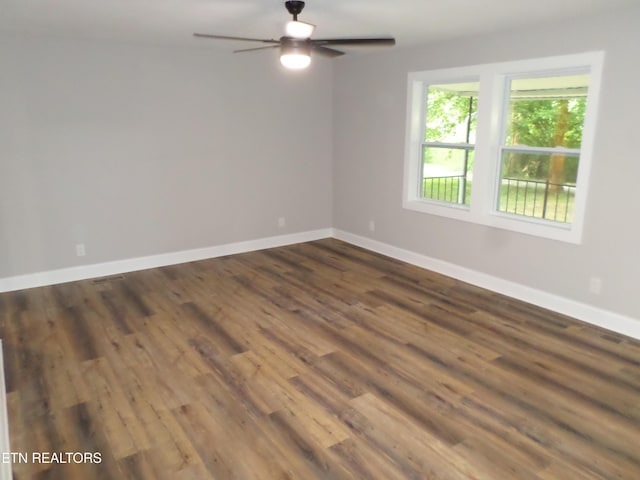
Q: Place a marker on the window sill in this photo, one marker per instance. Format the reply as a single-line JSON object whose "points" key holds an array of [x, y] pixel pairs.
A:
{"points": [[515, 223]]}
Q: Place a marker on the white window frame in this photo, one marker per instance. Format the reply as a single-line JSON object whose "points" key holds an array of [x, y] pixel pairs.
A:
{"points": [[425, 143], [492, 101]]}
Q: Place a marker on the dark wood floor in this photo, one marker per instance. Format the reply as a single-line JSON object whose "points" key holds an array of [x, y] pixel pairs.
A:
{"points": [[313, 361]]}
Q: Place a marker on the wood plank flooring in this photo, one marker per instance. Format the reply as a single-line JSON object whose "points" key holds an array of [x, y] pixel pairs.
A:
{"points": [[313, 361]]}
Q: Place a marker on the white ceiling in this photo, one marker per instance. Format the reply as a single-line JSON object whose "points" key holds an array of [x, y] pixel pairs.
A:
{"points": [[171, 22]]}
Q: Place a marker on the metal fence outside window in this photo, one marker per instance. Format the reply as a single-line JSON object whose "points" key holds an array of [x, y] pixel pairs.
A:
{"points": [[446, 189], [530, 198]]}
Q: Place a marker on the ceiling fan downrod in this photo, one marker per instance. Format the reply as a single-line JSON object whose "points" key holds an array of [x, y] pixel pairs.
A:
{"points": [[294, 7]]}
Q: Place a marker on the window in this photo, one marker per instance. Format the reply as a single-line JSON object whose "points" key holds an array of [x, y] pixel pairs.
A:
{"points": [[448, 147], [507, 145], [540, 154]]}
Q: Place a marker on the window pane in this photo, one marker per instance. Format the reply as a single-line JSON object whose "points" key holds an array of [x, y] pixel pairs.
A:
{"points": [[446, 174], [538, 185], [451, 112], [547, 111]]}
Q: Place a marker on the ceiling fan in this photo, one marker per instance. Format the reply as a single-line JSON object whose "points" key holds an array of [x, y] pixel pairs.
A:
{"points": [[296, 45]]}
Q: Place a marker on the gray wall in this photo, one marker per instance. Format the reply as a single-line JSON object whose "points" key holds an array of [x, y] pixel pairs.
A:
{"points": [[369, 133], [137, 150]]}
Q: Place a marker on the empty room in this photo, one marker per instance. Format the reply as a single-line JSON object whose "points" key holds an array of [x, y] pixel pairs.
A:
{"points": [[319, 240]]}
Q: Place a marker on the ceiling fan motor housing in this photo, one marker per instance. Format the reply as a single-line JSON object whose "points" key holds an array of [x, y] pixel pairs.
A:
{"points": [[298, 46]]}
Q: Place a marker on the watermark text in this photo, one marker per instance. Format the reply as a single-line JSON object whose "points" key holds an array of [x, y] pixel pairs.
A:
{"points": [[50, 457]]}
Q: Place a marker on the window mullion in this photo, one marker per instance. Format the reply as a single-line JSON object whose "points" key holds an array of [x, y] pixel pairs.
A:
{"points": [[488, 138]]}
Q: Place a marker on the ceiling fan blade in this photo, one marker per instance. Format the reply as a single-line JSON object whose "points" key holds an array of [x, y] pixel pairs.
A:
{"points": [[226, 37], [327, 52], [254, 49], [355, 41]]}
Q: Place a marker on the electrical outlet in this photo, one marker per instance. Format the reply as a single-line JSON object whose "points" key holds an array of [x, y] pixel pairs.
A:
{"points": [[282, 222], [595, 285], [372, 226], [80, 250]]}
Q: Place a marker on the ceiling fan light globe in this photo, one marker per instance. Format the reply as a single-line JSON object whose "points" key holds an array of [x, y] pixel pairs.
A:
{"points": [[296, 29], [295, 61]]}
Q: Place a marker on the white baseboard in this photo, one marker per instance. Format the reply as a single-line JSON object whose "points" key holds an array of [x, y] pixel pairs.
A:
{"points": [[6, 472], [84, 272], [582, 311]]}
